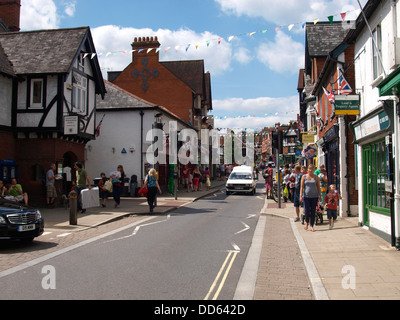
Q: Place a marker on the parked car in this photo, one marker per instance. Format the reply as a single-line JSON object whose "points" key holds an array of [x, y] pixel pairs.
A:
{"points": [[18, 222], [241, 179]]}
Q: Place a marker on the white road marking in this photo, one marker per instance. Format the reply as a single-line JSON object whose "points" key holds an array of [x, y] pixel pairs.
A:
{"points": [[246, 227]]}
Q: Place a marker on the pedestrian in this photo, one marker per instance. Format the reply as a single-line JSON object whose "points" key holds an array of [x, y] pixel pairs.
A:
{"points": [[331, 201], [190, 181], [323, 178], [208, 180], [152, 184], [267, 175], [286, 176], [185, 173], [3, 189], [81, 179], [202, 178], [51, 191], [292, 182], [310, 192], [196, 178], [118, 183], [296, 191], [103, 185]]}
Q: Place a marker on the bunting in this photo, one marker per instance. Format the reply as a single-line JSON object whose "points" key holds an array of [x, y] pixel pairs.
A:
{"points": [[196, 45]]}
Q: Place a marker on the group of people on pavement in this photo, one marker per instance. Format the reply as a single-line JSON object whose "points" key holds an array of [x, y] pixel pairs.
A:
{"points": [[13, 191], [194, 179], [307, 187]]}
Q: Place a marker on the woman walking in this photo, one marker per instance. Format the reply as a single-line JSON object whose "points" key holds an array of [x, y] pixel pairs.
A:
{"points": [[152, 184], [118, 183], [310, 192]]}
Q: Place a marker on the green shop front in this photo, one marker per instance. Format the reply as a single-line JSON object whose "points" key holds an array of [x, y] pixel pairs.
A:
{"points": [[373, 134]]}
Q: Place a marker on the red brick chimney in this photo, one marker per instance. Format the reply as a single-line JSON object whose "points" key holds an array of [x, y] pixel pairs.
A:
{"points": [[143, 44], [10, 12]]}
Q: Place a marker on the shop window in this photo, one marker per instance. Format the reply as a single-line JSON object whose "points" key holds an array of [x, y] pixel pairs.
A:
{"points": [[376, 175]]}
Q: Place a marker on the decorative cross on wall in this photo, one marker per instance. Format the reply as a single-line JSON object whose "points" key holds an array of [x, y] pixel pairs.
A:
{"points": [[145, 74]]}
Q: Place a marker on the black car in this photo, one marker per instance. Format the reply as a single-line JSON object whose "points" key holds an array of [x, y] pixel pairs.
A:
{"points": [[18, 222]]}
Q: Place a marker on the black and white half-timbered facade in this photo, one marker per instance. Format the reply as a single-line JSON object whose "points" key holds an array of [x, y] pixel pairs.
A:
{"points": [[49, 81]]}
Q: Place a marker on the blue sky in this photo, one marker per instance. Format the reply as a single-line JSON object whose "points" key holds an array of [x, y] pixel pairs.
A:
{"points": [[253, 76]]}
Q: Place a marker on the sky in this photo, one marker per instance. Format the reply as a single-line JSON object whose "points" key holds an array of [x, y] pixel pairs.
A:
{"points": [[253, 49]]}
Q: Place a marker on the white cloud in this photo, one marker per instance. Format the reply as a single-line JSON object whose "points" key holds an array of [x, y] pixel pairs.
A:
{"points": [[260, 112], [69, 8], [290, 11], [242, 55], [38, 14], [284, 55], [110, 38]]}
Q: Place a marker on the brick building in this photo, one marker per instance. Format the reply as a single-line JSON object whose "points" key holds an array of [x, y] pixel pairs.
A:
{"points": [[181, 86], [327, 58]]}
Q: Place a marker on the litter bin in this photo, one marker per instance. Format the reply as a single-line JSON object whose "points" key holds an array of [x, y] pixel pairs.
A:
{"points": [[133, 186], [125, 189]]}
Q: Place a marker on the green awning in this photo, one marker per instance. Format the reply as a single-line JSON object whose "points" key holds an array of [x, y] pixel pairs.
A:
{"points": [[387, 85]]}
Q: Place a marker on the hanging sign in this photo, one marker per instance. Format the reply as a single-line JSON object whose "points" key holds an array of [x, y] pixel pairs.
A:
{"points": [[347, 104], [70, 125]]}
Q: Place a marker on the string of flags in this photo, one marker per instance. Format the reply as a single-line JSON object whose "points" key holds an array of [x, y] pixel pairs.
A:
{"points": [[186, 47], [245, 116]]}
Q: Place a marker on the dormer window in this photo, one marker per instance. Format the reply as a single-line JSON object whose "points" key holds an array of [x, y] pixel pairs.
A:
{"points": [[79, 92]]}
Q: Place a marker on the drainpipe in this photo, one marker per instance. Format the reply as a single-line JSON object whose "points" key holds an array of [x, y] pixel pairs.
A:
{"points": [[396, 156]]}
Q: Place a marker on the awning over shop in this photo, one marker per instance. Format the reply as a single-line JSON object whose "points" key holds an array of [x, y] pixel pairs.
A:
{"points": [[391, 82], [377, 123]]}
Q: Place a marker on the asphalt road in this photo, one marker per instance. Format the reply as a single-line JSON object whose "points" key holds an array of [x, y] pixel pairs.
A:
{"points": [[196, 252]]}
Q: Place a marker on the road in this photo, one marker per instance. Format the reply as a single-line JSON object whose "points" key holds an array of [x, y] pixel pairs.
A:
{"points": [[196, 252]]}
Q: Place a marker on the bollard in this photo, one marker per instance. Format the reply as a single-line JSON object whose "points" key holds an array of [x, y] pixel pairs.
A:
{"points": [[73, 208]]}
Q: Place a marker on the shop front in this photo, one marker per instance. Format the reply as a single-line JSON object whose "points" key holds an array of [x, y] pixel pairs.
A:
{"points": [[331, 149], [373, 134]]}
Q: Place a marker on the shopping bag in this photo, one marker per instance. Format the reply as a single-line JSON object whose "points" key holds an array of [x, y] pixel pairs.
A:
{"points": [[286, 192], [143, 192], [90, 198]]}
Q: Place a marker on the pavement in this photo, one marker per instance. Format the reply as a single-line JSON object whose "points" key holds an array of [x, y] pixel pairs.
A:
{"points": [[346, 263]]}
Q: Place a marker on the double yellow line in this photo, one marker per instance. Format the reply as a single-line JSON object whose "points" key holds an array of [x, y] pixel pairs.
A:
{"points": [[230, 258]]}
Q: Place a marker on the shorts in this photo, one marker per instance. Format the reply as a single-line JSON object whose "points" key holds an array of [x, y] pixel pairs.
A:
{"points": [[51, 191], [296, 199], [331, 213]]}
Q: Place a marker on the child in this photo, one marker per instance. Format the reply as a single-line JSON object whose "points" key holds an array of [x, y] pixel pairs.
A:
{"points": [[331, 201], [208, 182]]}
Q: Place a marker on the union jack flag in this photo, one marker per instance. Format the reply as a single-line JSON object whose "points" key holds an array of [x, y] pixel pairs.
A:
{"points": [[344, 87], [301, 125], [330, 95]]}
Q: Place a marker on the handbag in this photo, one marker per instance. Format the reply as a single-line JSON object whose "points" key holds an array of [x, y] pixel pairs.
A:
{"points": [[143, 192], [108, 186]]}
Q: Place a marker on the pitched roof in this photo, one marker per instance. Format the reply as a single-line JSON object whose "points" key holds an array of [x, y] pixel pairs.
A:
{"points": [[5, 65], [190, 71], [118, 99], [49, 52], [323, 37], [43, 51]]}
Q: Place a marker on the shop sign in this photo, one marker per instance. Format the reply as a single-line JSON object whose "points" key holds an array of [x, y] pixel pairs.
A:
{"points": [[373, 125], [347, 104], [308, 138]]}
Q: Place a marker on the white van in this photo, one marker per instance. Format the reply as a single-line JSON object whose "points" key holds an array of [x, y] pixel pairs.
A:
{"points": [[241, 180]]}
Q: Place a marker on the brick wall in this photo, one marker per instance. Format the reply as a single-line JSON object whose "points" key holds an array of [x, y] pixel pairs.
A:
{"points": [[10, 13]]}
